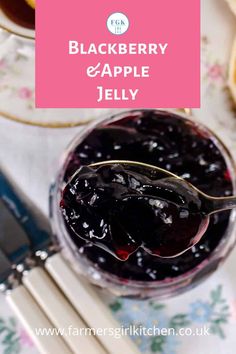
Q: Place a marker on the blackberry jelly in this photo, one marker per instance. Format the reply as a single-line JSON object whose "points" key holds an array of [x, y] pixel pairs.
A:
{"points": [[122, 208], [171, 142]]}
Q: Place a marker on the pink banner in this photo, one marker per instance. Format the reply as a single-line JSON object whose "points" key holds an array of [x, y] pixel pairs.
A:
{"points": [[118, 54]]}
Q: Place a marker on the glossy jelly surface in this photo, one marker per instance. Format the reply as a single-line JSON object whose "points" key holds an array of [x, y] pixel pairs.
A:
{"points": [[121, 209], [172, 143]]}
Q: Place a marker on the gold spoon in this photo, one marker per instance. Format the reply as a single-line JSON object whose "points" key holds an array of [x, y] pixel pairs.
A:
{"points": [[209, 204], [182, 224], [212, 204]]}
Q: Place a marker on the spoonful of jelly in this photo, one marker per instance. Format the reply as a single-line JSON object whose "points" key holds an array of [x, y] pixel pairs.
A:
{"points": [[121, 206]]}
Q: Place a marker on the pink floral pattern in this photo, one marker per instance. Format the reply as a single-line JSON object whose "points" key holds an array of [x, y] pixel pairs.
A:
{"points": [[25, 93], [25, 340], [216, 72], [2, 63]]}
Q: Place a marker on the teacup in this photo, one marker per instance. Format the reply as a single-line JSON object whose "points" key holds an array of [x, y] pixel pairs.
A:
{"points": [[17, 17]]}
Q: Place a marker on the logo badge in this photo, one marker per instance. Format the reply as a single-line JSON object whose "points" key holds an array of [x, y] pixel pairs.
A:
{"points": [[118, 23]]}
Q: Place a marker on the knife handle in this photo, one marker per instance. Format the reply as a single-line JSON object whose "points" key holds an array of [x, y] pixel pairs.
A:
{"points": [[86, 301], [32, 317], [60, 312]]}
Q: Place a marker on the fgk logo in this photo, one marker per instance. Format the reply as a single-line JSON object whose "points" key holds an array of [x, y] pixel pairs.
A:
{"points": [[118, 23]]}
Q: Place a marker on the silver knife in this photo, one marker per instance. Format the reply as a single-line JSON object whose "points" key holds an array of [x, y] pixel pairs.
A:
{"points": [[13, 240], [23, 304], [18, 247], [8, 278], [92, 309]]}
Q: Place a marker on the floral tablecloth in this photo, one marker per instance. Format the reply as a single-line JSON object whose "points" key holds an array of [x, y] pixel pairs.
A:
{"points": [[30, 155], [211, 305]]}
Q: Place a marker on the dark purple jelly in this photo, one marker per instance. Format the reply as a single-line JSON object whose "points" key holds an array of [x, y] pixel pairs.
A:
{"points": [[121, 209], [157, 138]]}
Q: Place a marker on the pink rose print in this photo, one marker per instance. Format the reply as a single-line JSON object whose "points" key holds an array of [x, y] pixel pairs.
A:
{"points": [[25, 93], [2, 63], [233, 310], [25, 340], [215, 72]]}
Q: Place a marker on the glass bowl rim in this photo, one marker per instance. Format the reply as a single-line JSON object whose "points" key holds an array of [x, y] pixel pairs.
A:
{"points": [[109, 278]]}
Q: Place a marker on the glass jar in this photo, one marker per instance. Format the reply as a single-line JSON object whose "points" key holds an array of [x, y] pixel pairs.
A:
{"points": [[123, 286]]}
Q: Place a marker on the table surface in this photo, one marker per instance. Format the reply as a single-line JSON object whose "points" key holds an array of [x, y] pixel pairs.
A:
{"points": [[31, 155]]}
